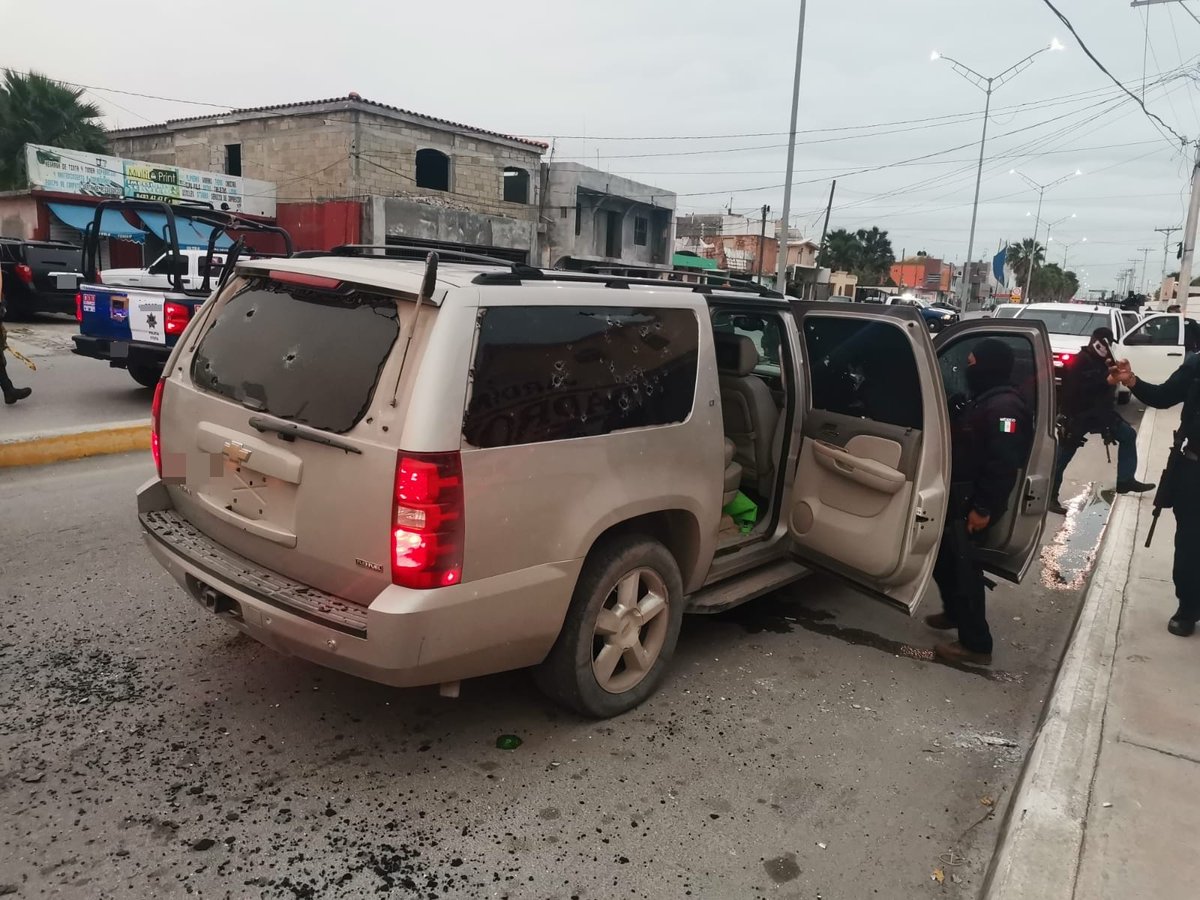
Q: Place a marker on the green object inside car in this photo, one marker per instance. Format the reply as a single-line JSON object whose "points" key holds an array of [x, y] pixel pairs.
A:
{"points": [[743, 511]]}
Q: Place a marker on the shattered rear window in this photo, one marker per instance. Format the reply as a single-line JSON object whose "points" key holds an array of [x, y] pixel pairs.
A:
{"points": [[310, 357]]}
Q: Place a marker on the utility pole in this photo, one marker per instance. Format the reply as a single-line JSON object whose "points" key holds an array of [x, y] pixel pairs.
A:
{"points": [[1167, 232], [1145, 266], [762, 241], [828, 210], [1189, 238], [781, 275]]}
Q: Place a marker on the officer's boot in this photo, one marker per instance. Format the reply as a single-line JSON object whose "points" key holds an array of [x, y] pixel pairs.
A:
{"points": [[11, 394], [1056, 506]]}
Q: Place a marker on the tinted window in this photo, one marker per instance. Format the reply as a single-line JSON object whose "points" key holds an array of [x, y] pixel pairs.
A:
{"points": [[863, 369], [1159, 332], [953, 362], [555, 373], [302, 355], [765, 331]]}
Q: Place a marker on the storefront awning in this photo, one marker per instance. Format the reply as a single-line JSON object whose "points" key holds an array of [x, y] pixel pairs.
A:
{"points": [[687, 261], [112, 223], [193, 235]]}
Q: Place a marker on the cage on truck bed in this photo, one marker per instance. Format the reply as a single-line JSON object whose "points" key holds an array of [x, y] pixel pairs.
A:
{"points": [[134, 322]]}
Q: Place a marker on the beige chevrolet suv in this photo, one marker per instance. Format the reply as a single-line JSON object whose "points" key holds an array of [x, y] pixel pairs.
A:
{"points": [[419, 472]]}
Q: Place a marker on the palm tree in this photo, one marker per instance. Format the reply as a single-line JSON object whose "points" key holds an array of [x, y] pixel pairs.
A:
{"points": [[841, 251], [876, 256], [1019, 254], [35, 109]]}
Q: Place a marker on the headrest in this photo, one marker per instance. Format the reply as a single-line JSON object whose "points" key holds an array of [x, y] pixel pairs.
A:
{"points": [[736, 354]]}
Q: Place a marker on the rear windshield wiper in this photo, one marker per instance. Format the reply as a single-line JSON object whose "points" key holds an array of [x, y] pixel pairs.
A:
{"points": [[292, 432]]}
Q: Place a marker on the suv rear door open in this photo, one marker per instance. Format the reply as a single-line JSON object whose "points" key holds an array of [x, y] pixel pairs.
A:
{"points": [[873, 477], [1010, 544]]}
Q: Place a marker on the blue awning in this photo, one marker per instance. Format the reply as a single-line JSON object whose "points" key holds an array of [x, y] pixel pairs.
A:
{"points": [[112, 223], [193, 235]]}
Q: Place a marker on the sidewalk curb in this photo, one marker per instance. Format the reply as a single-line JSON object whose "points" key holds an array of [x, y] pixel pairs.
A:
{"points": [[40, 449], [1041, 839]]}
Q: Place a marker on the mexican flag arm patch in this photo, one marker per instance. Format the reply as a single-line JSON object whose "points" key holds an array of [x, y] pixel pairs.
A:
{"points": [[1008, 426]]}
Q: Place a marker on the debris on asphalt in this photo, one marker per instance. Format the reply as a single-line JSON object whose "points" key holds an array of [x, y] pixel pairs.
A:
{"points": [[508, 742], [204, 844], [986, 800], [939, 875]]}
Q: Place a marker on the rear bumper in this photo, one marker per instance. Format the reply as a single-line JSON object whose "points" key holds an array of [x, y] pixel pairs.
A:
{"points": [[121, 354], [404, 638]]}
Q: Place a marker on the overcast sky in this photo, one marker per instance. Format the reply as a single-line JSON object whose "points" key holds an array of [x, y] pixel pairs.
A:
{"points": [[643, 69]]}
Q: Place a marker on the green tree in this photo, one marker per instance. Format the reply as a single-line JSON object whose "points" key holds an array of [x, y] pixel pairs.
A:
{"points": [[35, 109], [875, 255], [840, 252], [1018, 257], [1052, 285]]}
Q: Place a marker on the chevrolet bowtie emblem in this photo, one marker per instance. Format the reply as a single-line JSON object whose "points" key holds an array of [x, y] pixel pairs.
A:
{"points": [[236, 451]]}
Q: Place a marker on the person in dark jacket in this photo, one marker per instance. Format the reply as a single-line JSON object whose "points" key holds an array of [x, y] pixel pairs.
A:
{"points": [[1182, 387], [990, 435], [11, 393], [1089, 406]]}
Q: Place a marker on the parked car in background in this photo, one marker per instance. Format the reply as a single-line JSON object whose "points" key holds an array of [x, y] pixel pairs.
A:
{"points": [[420, 470], [1154, 346], [1002, 311], [1070, 325], [31, 271], [935, 319], [193, 265]]}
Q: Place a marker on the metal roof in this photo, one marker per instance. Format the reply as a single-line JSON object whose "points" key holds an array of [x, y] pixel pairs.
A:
{"points": [[350, 101]]}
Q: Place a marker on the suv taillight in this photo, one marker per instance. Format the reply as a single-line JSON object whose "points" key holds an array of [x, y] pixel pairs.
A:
{"points": [[427, 520], [155, 413], [175, 317], [78, 306], [24, 273]]}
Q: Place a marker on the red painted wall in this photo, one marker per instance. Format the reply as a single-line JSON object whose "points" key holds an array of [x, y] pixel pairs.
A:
{"points": [[319, 226]]}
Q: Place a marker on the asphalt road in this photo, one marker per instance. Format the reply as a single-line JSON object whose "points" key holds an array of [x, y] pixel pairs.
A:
{"points": [[804, 746], [69, 392]]}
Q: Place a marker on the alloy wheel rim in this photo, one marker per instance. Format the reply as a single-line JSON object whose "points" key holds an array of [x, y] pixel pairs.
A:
{"points": [[630, 630]]}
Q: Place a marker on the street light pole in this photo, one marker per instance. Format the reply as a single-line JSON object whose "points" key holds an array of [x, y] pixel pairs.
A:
{"points": [[1041, 189], [781, 275], [987, 85]]}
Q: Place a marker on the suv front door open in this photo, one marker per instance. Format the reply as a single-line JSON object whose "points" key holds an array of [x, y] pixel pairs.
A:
{"points": [[1009, 546], [873, 477]]}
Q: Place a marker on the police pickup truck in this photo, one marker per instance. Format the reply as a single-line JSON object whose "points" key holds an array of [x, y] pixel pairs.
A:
{"points": [[133, 325]]}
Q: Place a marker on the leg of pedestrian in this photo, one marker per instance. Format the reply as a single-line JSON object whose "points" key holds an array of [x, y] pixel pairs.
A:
{"points": [[1187, 541], [1127, 460], [944, 577], [1066, 452]]}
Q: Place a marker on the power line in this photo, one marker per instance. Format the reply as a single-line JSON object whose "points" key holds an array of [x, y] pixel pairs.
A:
{"points": [[1090, 55]]}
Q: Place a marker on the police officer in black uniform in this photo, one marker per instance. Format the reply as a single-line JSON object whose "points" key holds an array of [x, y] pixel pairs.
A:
{"points": [[1182, 387], [990, 437]]}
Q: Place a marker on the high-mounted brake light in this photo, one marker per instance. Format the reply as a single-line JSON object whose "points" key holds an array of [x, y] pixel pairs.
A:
{"points": [[23, 272], [155, 414], [427, 520], [319, 282], [175, 317]]}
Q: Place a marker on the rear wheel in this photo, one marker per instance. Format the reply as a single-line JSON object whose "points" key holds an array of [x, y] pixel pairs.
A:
{"points": [[146, 376], [620, 632]]}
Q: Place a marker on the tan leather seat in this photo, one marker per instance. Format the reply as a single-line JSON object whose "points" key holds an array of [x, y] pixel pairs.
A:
{"points": [[733, 474], [748, 410]]}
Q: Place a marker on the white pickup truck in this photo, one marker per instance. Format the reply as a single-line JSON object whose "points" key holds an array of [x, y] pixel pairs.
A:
{"points": [[159, 274], [1154, 347]]}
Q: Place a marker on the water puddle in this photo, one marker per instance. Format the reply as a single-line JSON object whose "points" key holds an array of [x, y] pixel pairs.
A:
{"points": [[757, 617], [1067, 560]]}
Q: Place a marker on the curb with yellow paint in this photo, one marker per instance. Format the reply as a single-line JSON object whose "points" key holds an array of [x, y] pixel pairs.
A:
{"points": [[40, 449]]}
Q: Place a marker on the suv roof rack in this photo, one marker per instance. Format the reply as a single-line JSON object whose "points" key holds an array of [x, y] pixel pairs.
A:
{"points": [[519, 272]]}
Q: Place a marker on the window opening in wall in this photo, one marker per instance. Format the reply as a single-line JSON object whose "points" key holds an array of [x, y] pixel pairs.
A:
{"points": [[516, 185], [641, 227], [233, 159], [433, 170], [578, 217]]}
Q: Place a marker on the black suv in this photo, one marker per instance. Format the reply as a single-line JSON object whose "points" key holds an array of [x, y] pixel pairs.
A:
{"points": [[30, 269]]}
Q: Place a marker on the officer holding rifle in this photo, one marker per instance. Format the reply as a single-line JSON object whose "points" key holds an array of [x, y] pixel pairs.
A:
{"points": [[1179, 488]]}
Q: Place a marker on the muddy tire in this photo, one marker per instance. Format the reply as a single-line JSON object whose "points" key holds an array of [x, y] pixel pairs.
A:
{"points": [[146, 376], [620, 632]]}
